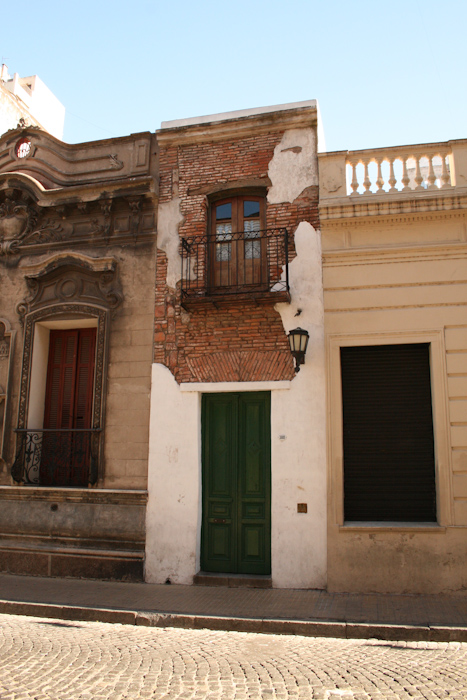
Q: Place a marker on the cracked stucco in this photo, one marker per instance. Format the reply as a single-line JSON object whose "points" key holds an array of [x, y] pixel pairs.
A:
{"points": [[294, 165], [168, 220]]}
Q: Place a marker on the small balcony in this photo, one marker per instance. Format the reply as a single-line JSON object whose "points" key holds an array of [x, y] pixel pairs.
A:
{"points": [[234, 267], [66, 458]]}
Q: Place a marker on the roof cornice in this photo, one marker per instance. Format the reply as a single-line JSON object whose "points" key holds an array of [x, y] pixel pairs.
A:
{"points": [[240, 127]]}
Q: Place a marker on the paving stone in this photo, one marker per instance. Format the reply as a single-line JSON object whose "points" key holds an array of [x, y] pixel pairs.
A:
{"points": [[47, 659]]}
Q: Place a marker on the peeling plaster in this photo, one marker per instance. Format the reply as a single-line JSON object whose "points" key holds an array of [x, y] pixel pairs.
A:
{"points": [[306, 284], [294, 166], [298, 452], [168, 220]]}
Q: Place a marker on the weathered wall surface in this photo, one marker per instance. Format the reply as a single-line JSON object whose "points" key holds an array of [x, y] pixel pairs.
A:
{"points": [[238, 347], [401, 279], [128, 372], [72, 532], [77, 232], [196, 346]]}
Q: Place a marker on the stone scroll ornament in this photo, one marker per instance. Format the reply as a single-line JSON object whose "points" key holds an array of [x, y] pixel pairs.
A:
{"points": [[19, 224]]}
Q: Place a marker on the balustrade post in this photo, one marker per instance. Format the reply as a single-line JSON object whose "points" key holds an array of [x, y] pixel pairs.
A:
{"points": [[418, 174], [445, 174], [366, 181], [379, 179], [392, 178], [405, 175], [354, 183], [431, 174]]}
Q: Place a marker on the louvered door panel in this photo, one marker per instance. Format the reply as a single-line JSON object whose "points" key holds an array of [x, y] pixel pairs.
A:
{"points": [[68, 408], [84, 378]]}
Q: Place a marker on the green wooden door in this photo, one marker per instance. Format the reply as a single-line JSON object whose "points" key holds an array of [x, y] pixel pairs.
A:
{"points": [[236, 526]]}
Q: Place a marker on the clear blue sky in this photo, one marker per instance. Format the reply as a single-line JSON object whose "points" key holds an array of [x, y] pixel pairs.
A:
{"points": [[384, 73]]}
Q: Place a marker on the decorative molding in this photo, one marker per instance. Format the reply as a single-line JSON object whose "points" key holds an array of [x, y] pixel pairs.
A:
{"points": [[70, 286], [394, 208], [67, 279], [64, 192], [343, 257], [25, 229], [115, 163], [235, 127], [65, 164], [18, 217], [7, 347]]}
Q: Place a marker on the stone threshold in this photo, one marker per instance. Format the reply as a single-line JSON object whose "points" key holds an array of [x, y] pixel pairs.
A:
{"points": [[205, 578]]}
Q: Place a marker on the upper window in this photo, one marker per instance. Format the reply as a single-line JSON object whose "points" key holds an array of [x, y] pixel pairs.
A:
{"points": [[237, 244], [389, 462], [237, 257]]}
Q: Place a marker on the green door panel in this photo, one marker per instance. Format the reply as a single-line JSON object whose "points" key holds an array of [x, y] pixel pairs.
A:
{"points": [[236, 524]]}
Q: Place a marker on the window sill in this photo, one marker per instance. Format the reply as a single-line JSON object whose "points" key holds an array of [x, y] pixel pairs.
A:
{"points": [[398, 527]]}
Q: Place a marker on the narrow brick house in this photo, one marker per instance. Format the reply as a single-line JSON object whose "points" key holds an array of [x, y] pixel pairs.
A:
{"points": [[237, 472]]}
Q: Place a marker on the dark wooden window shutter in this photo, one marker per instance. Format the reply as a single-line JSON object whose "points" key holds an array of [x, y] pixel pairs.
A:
{"points": [[66, 442], [68, 402], [389, 464]]}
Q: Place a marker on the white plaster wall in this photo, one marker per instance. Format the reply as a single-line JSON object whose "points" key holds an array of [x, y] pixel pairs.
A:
{"points": [[298, 456], [169, 218], [299, 461], [174, 481], [294, 165]]}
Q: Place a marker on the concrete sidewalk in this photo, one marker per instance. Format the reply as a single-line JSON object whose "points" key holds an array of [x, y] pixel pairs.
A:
{"points": [[306, 612]]}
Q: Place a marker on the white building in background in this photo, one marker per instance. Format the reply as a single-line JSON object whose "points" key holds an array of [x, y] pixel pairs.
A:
{"points": [[29, 99]]}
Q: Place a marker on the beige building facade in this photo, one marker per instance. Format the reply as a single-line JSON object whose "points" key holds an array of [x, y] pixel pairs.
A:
{"points": [[395, 296], [77, 268]]}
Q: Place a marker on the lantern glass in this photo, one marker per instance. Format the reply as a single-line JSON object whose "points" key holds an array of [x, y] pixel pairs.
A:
{"points": [[298, 339], [303, 342]]}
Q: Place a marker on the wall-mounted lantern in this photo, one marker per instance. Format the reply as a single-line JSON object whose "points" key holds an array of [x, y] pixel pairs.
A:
{"points": [[298, 339]]}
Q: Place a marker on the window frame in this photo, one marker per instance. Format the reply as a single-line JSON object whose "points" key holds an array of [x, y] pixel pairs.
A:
{"points": [[438, 378], [31, 407], [236, 267]]}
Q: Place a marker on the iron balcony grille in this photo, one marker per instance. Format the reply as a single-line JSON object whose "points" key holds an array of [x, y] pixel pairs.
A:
{"points": [[234, 263], [50, 457]]}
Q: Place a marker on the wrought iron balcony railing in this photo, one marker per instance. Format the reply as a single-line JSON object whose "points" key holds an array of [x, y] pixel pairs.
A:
{"points": [[49, 457], [252, 263]]}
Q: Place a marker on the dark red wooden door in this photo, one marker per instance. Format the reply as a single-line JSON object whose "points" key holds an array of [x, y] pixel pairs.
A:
{"points": [[68, 408]]}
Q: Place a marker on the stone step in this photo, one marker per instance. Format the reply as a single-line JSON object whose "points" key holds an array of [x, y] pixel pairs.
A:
{"points": [[204, 578]]}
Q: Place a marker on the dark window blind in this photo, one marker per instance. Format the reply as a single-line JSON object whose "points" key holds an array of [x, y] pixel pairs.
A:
{"points": [[389, 466]]}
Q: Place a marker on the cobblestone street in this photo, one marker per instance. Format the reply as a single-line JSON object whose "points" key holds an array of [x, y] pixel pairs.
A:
{"points": [[45, 658]]}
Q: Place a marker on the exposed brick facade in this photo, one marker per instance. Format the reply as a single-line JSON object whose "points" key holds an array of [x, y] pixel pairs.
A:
{"points": [[229, 341]]}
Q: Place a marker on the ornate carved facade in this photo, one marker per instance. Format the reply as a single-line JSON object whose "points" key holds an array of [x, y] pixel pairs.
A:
{"points": [[77, 228]]}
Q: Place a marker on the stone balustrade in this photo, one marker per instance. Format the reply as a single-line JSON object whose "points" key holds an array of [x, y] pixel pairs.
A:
{"points": [[419, 169], [398, 170]]}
